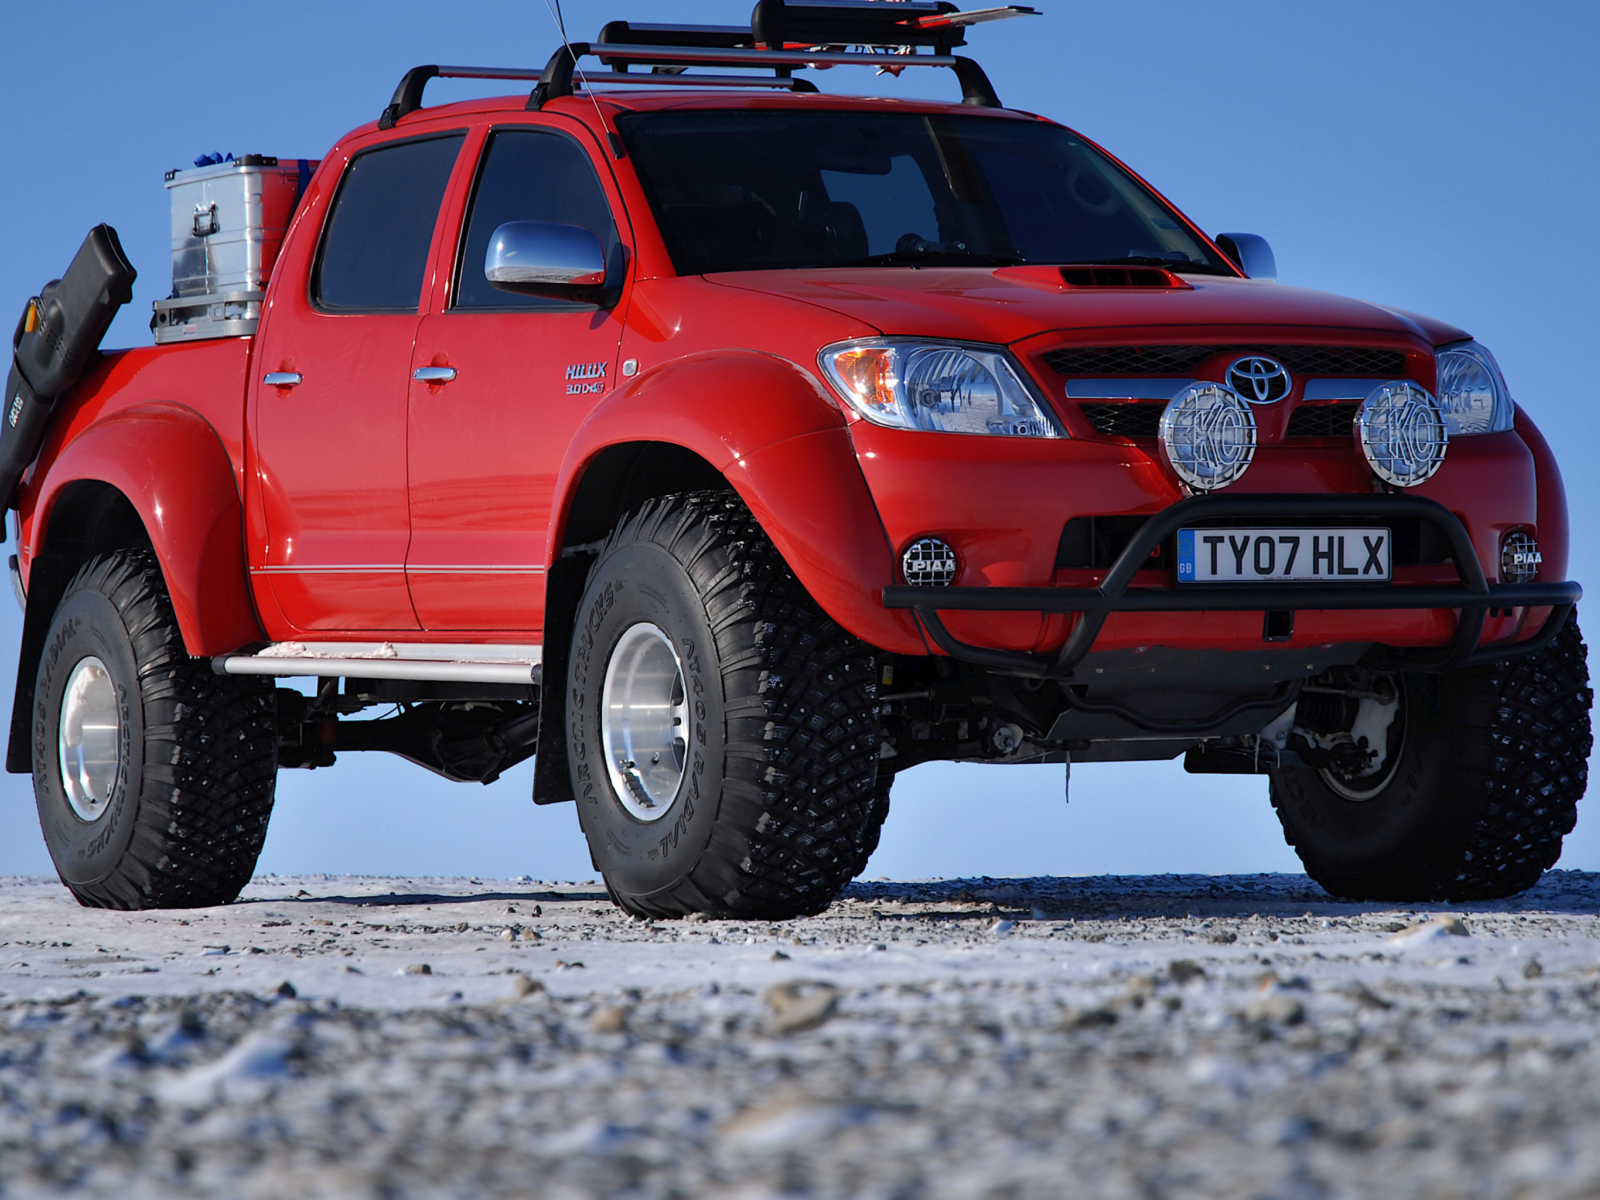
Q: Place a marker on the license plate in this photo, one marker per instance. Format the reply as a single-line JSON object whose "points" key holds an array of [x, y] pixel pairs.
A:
{"points": [[1283, 555]]}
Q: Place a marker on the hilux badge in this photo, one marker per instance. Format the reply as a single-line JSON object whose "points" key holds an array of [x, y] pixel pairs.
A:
{"points": [[586, 378], [1258, 380]]}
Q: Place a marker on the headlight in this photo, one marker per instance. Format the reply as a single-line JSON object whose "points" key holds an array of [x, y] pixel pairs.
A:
{"points": [[1473, 397], [936, 386]]}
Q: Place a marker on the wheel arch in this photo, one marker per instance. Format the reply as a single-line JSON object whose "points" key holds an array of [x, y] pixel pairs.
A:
{"points": [[747, 421], [153, 475], [764, 427]]}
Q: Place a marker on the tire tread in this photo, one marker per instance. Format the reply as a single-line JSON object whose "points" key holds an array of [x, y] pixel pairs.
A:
{"points": [[799, 807], [210, 753]]}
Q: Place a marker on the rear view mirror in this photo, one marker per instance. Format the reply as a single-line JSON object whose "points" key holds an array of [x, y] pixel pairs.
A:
{"points": [[1251, 253], [541, 258]]}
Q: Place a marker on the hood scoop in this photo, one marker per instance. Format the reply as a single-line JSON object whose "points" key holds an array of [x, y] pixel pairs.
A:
{"points": [[1120, 277], [1092, 275]]}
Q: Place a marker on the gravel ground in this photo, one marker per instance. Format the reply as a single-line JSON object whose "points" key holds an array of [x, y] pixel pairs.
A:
{"points": [[1176, 1036]]}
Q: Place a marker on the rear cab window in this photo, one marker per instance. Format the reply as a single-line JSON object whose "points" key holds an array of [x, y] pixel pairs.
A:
{"points": [[374, 253]]}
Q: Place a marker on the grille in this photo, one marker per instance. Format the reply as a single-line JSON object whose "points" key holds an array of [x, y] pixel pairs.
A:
{"points": [[1323, 420], [1125, 420], [1182, 360]]}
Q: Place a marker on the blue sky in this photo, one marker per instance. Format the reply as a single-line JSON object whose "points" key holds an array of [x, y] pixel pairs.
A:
{"points": [[1443, 158]]}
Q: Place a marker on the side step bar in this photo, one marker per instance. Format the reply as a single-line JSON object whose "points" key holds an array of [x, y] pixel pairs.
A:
{"points": [[433, 662]]}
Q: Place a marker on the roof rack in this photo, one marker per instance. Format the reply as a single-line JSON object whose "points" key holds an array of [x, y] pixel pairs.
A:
{"points": [[782, 37]]}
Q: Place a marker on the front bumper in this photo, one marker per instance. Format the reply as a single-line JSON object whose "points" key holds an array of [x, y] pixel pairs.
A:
{"points": [[1472, 598]]}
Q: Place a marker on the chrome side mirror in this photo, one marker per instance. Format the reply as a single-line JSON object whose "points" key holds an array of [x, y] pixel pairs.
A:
{"points": [[1251, 253], [543, 258]]}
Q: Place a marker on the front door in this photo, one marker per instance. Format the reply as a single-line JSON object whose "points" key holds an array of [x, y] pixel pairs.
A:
{"points": [[487, 444], [330, 427]]}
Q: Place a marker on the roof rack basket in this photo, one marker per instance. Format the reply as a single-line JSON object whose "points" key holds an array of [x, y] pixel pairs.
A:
{"points": [[784, 35]]}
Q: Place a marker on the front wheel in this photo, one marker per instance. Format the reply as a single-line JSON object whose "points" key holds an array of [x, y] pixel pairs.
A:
{"points": [[153, 776], [722, 730], [1441, 787]]}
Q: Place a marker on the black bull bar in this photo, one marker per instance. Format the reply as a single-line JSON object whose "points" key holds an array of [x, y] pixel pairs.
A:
{"points": [[1473, 596]]}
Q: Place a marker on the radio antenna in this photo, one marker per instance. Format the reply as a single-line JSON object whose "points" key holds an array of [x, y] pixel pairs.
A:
{"points": [[561, 27]]}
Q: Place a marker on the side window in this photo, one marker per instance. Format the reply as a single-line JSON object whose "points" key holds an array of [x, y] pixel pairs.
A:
{"points": [[528, 175], [374, 254]]}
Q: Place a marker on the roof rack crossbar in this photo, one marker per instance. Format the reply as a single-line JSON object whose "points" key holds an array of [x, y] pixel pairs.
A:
{"points": [[556, 79], [674, 79], [688, 56], [408, 96]]}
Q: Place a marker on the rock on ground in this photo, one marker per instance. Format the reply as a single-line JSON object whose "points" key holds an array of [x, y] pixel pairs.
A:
{"points": [[1173, 1037]]}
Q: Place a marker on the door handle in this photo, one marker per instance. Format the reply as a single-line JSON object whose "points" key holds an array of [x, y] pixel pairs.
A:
{"points": [[283, 379], [434, 374]]}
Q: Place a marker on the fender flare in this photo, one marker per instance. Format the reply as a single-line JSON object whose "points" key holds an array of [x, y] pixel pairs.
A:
{"points": [[782, 442], [173, 468], [1553, 524]]}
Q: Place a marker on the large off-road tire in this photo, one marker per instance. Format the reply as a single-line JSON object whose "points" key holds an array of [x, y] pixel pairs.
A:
{"points": [[1489, 768], [752, 792], [153, 776]]}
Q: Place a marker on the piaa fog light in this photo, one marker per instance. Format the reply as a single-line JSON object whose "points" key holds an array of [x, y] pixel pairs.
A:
{"points": [[1519, 558], [1208, 435], [928, 562], [1402, 433]]}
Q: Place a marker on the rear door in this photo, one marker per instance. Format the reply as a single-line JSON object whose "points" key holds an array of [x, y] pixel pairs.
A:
{"points": [[330, 441], [487, 445]]}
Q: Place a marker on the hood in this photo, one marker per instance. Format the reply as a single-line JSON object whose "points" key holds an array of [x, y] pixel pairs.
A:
{"points": [[1008, 305]]}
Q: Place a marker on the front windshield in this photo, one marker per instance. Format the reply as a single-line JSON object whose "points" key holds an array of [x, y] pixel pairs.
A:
{"points": [[757, 189]]}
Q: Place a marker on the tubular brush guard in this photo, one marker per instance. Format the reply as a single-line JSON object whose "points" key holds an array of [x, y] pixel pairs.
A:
{"points": [[1473, 597]]}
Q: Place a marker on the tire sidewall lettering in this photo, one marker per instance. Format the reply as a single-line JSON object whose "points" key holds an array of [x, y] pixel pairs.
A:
{"points": [[85, 853], [643, 857]]}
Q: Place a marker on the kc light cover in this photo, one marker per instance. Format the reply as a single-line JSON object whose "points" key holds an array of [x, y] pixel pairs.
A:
{"points": [[1208, 435], [1401, 433]]}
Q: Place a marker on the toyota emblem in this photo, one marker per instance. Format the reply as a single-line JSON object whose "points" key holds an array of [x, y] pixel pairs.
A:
{"points": [[1258, 380]]}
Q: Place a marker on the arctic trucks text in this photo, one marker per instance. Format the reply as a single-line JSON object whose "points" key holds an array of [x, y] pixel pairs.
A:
{"points": [[737, 446]]}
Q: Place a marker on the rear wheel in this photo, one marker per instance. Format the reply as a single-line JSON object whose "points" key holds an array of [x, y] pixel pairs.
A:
{"points": [[1464, 786], [153, 776], [722, 730]]}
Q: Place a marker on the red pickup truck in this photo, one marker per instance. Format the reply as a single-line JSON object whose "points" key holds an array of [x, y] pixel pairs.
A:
{"points": [[737, 446]]}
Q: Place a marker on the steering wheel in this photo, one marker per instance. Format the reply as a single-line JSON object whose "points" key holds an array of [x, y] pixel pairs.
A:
{"points": [[1078, 177]]}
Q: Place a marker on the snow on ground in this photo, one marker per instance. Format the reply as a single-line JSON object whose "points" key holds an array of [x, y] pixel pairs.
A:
{"points": [[1156, 1037]]}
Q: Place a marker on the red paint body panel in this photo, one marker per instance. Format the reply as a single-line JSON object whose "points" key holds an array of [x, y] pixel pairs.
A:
{"points": [[373, 505], [330, 454], [170, 464], [979, 305], [781, 441], [485, 449], [166, 428]]}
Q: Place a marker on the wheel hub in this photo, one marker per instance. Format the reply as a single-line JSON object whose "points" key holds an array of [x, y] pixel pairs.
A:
{"points": [[1357, 730], [90, 738], [644, 722]]}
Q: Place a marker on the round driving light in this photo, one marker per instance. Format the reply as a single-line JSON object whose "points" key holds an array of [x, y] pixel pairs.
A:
{"points": [[928, 562], [1402, 433], [1208, 435], [1519, 558]]}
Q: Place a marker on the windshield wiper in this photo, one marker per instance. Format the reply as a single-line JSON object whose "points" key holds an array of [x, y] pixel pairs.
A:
{"points": [[1139, 260]]}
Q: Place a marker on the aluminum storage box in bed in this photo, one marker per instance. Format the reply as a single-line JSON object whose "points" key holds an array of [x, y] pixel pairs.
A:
{"points": [[228, 220]]}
